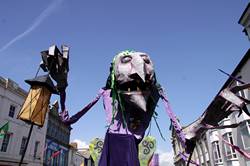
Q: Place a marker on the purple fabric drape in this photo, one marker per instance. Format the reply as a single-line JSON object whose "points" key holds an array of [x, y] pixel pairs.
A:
{"points": [[155, 160], [119, 150], [107, 104], [116, 126], [70, 120], [175, 123]]}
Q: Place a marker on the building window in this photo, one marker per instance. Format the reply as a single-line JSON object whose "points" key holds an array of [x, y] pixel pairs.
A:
{"points": [[5, 142], [245, 135], [230, 152], [216, 152], [195, 156], [48, 155], [35, 149], [12, 111], [200, 152], [24, 140]]}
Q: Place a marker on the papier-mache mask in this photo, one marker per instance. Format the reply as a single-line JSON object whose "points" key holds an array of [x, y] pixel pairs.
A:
{"points": [[134, 78]]}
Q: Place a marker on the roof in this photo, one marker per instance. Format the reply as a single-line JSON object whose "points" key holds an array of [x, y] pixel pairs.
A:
{"points": [[229, 80], [13, 87], [43, 80], [237, 69], [241, 17]]}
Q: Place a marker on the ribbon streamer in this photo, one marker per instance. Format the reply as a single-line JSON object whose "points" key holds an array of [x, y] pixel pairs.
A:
{"points": [[238, 149], [173, 118], [185, 158]]}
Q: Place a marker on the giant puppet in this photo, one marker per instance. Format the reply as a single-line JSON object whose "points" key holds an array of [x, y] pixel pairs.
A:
{"points": [[130, 97]]}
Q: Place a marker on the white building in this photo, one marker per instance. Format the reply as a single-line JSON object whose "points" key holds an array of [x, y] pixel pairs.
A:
{"points": [[245, 21], [57, 139], [222, 154], [210, 150], [12, 145]]}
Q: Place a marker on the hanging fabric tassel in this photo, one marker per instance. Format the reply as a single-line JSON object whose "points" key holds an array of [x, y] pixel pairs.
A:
{"points": [[158, 127], [116, 98]]}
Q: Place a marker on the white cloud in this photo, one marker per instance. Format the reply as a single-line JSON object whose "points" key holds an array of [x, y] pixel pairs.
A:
{"points": [[166, 158], [34, 25], [81, 144]]}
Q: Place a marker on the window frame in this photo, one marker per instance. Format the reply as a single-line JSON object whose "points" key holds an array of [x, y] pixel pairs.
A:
{"points": [[23, 143], [12, 111], [37, 143], [217, 151], [247, 126], [5, 143], [228, 136]]}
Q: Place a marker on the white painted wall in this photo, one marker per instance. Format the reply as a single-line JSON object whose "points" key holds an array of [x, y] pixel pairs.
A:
{"points": [[19, 129]]}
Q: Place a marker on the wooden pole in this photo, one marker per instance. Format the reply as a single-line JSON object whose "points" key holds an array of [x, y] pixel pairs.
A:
{"points": [[26, 144]]}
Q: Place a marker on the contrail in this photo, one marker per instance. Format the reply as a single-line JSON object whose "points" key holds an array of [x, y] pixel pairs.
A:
{"points": [[35, 24]]}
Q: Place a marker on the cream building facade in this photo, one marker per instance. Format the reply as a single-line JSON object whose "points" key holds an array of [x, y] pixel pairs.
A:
{"points": [[12, 145]]}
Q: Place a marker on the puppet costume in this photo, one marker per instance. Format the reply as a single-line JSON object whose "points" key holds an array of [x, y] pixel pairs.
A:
{"points": [[129, 100], [130, 97]]}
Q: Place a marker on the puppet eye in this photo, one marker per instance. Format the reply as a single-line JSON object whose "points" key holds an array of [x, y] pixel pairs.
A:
{"points": [[146, 59], [126, 59]]}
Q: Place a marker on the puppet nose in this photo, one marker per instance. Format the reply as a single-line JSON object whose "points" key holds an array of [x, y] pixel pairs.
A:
{"points": [[136, 76], [138, 69]]}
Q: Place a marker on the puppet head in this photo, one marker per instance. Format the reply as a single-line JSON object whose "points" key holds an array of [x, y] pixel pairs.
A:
{"points": [[133, 77]]}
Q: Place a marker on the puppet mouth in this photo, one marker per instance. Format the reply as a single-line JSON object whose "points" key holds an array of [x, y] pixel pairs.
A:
{"points": [[135, 93], [135, 87]]}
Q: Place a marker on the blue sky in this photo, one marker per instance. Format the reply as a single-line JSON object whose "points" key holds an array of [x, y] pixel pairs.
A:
{"points": [[187, 41]]}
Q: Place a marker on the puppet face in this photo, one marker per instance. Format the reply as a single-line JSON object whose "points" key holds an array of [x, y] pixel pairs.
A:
{"points": [[134, 74]]}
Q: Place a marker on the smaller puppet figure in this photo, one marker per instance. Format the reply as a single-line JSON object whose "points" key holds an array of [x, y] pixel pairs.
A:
{"points": [[95, 149], [147, 148], [57, 64]]}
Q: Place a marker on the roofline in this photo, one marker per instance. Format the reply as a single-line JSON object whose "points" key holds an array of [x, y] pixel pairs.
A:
{"points": [[229, 80], [241, 17], [237, 69]]}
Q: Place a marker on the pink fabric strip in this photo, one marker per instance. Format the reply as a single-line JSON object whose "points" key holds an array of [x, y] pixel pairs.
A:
{"points": [[238, 149], [185, 158]]}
